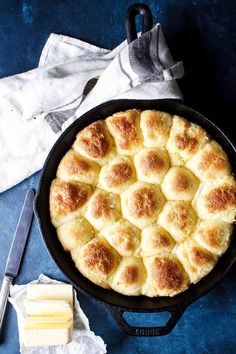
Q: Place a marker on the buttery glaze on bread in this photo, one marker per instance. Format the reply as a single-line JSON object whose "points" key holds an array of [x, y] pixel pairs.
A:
{"points": [[144, 202]]}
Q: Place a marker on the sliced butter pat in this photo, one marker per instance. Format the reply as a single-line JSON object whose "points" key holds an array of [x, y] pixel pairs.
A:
{"points": [[48, 308], [50, 292], [47, 322], [43, 337]]}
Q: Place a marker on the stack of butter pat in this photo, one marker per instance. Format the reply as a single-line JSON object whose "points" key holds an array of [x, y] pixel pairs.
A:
{"points": [[49, 319]]}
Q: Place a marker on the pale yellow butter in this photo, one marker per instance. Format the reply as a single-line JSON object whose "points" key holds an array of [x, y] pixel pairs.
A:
{"points": [[50, 315], [50, 292], [42, 337], [48, 308]]}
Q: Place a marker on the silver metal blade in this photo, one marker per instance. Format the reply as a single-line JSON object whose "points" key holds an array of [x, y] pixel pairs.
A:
{"points": [[20, 237]]}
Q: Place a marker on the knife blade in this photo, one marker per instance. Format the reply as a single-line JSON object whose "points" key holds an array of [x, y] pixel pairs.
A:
{"points": [[16, 250]]}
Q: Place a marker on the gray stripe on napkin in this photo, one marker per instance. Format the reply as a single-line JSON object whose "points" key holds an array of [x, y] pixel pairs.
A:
{"points": [[141, 61], [125, 72], [56, 119]]}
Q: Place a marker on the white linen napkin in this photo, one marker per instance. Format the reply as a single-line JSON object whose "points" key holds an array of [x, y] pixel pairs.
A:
{"points": [[73, 77], [84, 340]]}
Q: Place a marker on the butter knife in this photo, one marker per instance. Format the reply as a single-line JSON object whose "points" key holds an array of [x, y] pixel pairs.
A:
{"points": [[16, 251]]}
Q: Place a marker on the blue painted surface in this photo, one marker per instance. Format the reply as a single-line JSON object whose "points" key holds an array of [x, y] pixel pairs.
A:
{"points": [[203, 34]]}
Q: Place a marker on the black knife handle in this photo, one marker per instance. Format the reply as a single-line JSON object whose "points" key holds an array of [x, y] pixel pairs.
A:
{"points": [[5, 290]]}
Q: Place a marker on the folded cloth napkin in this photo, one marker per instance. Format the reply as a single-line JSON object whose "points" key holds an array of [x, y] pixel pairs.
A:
{"points": [[73, 77], [84, 340]]}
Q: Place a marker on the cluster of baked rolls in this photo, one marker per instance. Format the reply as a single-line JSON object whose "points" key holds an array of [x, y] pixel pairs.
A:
{"points": [[145, 203]]}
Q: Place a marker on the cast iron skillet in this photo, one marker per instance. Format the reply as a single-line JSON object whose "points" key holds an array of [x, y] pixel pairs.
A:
{"points": [[117, 303]]}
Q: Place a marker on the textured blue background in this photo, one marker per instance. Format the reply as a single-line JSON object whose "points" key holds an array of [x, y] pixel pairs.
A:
{"points": [[203, 35]]}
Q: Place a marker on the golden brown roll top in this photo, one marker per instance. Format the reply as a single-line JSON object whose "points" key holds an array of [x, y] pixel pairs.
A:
{"points": [[155, 240], [95, 142], [185, 140], [155, 127], [117, 175], [178, 218], [129, 276], [165, 276], [125, 129], [142, 203], [75, 233], [217, 200], [213, 235], [197, 261], [103, 209], [96, 260], [151, 165], [74, 167], [67, 200], [123, 236], [179, 184], [209, 163]]}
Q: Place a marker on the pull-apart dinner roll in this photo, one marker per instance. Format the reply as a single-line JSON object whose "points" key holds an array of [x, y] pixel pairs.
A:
{"points": [[178, 218], [151, 165], [165, 276], [209, 163], [74, 167], [96, 260], [95, 143], [129, 276], [155, 240], [125, 129], [185, 140], [67, 200], [197, 261], [217, 200], [75, 233], [155, 127], [179, 184], [123, 236], [117, 175], [103, 209], [214, 235], [142, 203], [145, 202]]}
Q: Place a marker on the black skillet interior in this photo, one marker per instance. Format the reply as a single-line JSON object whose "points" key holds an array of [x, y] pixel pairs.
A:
{"points": [[117, 303]]}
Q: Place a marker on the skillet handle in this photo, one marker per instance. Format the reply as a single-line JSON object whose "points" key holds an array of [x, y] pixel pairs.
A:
{"points": [[147, 21], [175, 315]]}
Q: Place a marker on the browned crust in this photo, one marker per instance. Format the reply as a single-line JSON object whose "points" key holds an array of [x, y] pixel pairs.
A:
{"points": [[153, 123], [123, 239], [95, 140], [210, 236], [180, 183], [144, 202], [201, 257], [221, 198], [126, 126], [130, 275], [153, 120], [178, 216], [67, 197], [99, 258], [167, 273], [119, 174], [185, 142], [161, 240], [152, 162], [100, 206], [77, 164], [212, 159]]}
